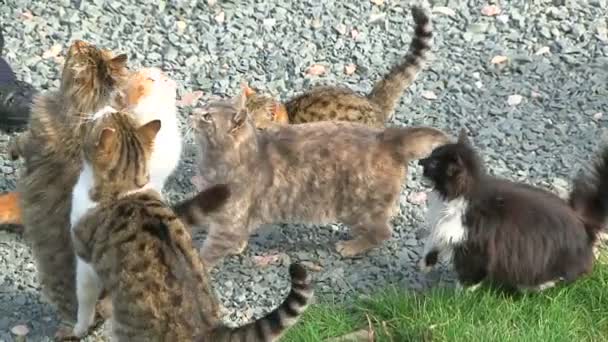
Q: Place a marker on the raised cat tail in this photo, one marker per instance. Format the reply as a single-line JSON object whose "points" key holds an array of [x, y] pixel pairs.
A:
{"points": [[193, 211], [412, 143], [10, 211], [272, 326], [589, 196], [389, 89]]}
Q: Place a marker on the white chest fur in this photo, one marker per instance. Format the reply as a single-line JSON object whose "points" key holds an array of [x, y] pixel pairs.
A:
{"points": [[446, 221]]}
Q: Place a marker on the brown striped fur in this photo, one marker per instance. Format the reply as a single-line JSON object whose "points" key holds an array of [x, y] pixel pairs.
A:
{"points": [[144, 255], [51, 150], [314, 173], [340, 103]]}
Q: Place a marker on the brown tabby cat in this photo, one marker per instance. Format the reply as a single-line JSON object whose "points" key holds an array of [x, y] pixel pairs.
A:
{"points": [[51, 151], [129, 240], [310, 173], [340, 103]]}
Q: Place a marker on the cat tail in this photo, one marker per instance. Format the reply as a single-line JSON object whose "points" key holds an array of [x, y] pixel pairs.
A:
{"points": [[589, 196], [272, 326], [10, 211], [412, 143], [389, 89], [193, 211]]}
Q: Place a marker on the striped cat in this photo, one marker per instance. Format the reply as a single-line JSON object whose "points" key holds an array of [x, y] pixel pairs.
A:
{"points": [[129, 240]]}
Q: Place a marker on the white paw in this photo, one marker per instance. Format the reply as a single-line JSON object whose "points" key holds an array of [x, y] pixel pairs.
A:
{"points": [[80, 329]]}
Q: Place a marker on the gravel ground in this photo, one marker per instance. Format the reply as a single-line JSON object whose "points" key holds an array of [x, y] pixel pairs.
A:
{"points": [[536, 117]]}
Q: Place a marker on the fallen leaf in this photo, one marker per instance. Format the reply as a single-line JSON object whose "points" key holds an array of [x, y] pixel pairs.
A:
{"points": [[20, 330], [490, 10], [417, 198], [354, 34], [312, 266], [443, 10], [52, 52], [543, 50], [429, 95], [598, 115], [350, 69], [514, 100], [220, 17], [316, 70], [181, 26], [190, 98], [355, 336], [265, 260], [378, 2], [26, 15], [499, 59]]}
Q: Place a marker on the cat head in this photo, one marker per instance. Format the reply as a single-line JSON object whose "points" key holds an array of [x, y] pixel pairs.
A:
{"points": [[264, 110], [453, 168], [150, 91], [117, 149], [92, 77], [224, 126]]}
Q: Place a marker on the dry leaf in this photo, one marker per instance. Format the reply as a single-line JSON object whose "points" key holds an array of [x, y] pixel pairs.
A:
{"points": [[444, 10], [378, 2], [417, 198], [429, 95], [52, 52], [354, 34], [543, 50], [356, 336], [220, 17], [316, 70], [20, 330], [190, 99], [181, 26], [499, 59], [312, 266], [598, 115], [514, 100], [26, 15], [350, 69], [490, 10], [265, 260]]}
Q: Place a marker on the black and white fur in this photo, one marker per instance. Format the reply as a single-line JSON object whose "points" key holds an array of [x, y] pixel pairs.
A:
{"points": [[511, 234]]}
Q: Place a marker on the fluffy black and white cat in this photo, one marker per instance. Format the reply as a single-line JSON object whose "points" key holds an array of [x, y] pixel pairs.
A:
{"points": [[511, 234]]}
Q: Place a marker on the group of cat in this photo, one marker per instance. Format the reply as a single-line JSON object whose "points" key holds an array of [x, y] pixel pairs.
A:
{"points": [[98, 151]]}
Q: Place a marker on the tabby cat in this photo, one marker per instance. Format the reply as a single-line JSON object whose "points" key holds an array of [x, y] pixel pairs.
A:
{"points": [[340, 103], [309, 173], [91, 79], [129, 240]]}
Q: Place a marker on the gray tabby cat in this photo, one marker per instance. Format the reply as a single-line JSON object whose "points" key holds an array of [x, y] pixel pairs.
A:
{"points": [[309, 173]]}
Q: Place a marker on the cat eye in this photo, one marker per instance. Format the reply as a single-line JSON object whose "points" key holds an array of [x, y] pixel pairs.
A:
{"points": [[206, 117]]}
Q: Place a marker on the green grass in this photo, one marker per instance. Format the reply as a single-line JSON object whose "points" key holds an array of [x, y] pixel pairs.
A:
{"points": [[577, 312]]}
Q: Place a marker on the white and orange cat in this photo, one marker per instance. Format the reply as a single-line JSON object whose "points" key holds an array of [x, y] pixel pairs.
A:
{"points": [[150, 94]]}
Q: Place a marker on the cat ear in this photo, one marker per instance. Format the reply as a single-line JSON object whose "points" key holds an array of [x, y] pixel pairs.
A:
{"points": [[463, 138], [120, 60], [248, 91], [106, 140], [149, 131], [279, 113]]}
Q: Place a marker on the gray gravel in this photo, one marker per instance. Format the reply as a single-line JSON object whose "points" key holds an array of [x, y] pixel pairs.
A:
{"points": [[560, 122]]}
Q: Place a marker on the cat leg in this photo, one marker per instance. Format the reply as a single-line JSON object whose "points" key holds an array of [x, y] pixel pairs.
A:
{"points": [[368, 236], [222, 242], [470, 266], [88, 289]]}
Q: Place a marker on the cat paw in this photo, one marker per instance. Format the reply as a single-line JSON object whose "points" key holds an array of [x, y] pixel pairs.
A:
{"points": [[424, 267], [65, 333], [80, 330], [347, 249]]}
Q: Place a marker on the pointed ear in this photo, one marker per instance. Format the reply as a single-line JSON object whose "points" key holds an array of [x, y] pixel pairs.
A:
{"points": [[106, 140], [279, 113], [248, 91], [148, 131], [463, 138], [120, 60]]}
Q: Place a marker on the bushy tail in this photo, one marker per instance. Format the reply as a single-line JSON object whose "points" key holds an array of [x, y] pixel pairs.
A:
{"points": [[193, 211], [589, 196], [10, 212], [412, 143], [272, 326], [389, 89]]}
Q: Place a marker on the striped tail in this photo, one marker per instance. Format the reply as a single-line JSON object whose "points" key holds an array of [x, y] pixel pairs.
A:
{"points": [[389, 89], [272, 326], [193, 211], [10, 212]]}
